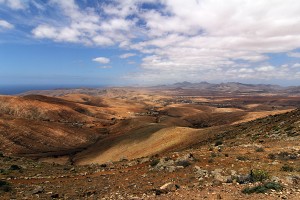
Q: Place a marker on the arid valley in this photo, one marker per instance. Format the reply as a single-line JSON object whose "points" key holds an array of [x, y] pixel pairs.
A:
{"points": [[180, 141]]}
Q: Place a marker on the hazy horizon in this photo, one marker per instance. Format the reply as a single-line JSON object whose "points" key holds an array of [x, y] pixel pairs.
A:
{"points": [[14, 89]]}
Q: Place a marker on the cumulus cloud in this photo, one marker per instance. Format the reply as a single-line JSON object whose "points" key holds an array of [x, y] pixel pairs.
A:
{"points": [[5, 25], [85, 25], [265, 68], [127, 55], [210, 38], [65, 34], [14, 4], [102, 60], [102, 40]]}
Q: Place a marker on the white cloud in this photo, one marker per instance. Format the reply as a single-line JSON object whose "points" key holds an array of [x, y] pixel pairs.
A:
{"points": [[127, 55], [102, 41], [246, 70], [65, 34], [45, 31], [296, 65], [5, 25], [102, 60], [294, 54], [265, 68], [85, 26], [198, 37], [15, 4]]}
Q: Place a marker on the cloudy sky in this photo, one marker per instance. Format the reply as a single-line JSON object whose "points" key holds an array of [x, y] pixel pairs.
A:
{"points": [[149, 42]]}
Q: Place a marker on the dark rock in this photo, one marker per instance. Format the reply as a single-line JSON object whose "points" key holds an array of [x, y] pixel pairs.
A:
{"points": [[15, 167], [183, 163], [242, 179], [4, 186], [103, 165], [55, 196]]}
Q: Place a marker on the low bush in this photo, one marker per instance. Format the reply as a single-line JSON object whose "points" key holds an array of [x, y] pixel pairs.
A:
{"points": [[4, 171], [263, 188], [154, 162], [15, 167], [183, 163], [4, 186], [242, 158], [259, 175], [260, 149], [272, 156], [218, 143], [287, 168], [283, 155], [213, 154]]}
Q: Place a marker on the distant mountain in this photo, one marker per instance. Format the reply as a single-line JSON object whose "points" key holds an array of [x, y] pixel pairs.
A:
{"points": [[180, 88], [231, 88], [183, 84]]}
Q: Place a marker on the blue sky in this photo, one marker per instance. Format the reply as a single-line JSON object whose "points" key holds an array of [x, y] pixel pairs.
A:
{"points": [[149, 42]]}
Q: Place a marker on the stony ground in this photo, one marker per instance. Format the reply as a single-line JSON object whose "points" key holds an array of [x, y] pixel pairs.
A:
{"points": [[255, 160], [207, 172]]}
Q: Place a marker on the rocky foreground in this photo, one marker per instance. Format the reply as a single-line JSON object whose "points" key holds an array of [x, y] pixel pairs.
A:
{"points": [[175, 176], [258, 159]]}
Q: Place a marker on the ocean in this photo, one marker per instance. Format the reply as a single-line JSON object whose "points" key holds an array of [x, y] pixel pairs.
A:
{"points": [[17, 89]]}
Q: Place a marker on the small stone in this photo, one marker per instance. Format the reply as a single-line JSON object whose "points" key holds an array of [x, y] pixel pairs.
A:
{"points": [[143, 160], [37, 190], [275, 179], [217, 171], [72, 169], [169, 186], [144, 175], [171, 169], [132, 163], [220, 178]]}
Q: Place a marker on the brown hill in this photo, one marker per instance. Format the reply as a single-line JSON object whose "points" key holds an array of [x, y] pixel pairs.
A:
{"points": [[41, 125]]}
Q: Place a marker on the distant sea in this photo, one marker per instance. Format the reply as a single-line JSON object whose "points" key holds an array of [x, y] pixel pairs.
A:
{"points": [[17, 89]]}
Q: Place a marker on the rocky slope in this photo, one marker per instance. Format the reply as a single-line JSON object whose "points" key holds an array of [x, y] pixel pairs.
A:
{"points": [[257, 159], [47, 126]]}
